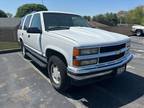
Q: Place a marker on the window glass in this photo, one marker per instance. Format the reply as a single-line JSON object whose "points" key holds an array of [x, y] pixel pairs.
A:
{"points": [[63, 20], [36, 22], [21, 23], [27, 21]]}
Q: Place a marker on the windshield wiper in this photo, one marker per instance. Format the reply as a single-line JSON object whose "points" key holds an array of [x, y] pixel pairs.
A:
{"points": [[58, 27]]}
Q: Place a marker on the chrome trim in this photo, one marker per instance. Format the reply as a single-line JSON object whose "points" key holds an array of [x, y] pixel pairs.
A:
{"points": [[105, 45], [86, 57], [95, 68], [90, 76]]}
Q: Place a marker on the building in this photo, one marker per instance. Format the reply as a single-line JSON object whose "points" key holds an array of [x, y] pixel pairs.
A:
{"points": [[8, 29]]}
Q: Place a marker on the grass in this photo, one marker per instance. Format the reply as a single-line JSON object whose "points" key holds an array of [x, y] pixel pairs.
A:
{"points": [[9, 45]]}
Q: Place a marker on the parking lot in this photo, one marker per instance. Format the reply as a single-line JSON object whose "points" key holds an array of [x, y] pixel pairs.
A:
{"points": [[23, 84]]}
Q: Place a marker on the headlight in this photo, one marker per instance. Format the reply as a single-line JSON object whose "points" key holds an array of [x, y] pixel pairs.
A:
{"points": [[85, 62], [82, 52], [88, 62], [88, 51]]}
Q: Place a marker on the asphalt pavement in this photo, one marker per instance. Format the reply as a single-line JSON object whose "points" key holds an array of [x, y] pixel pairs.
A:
{"points": [[23, 84]]}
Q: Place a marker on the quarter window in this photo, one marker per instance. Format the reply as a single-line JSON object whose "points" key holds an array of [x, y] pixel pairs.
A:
{"points": [[21, 23], [27, 21]]}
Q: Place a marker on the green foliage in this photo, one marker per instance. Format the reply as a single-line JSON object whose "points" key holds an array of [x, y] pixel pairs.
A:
{"points": [[136, 16], [3, 14], [110, 19], [28, 8], [87, 18]]}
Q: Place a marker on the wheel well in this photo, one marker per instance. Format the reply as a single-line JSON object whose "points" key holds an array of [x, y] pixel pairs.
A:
{"points": [[50, 52], [21, 40], [139, 30]]}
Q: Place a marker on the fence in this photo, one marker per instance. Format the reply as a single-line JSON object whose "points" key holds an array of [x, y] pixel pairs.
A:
{"points": [[8, 34]]}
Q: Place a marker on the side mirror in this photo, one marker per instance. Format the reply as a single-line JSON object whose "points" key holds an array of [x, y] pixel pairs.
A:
{"points": [[34, 30]]}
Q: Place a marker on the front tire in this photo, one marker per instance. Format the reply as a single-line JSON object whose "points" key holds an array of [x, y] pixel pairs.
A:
{"points": [[58, 74], [139, 32]]}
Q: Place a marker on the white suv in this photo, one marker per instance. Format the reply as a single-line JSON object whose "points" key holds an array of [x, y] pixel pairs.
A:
{"points": [[138, 30], [73, 52]]}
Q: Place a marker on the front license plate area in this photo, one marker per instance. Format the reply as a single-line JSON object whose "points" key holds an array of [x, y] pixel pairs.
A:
{"points": [[121, 70]]}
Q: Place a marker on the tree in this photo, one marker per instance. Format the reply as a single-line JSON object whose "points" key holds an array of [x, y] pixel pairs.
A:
{"points": [[3, 14], [136, 16], [87, 18], [110, 19], [28, 8]]}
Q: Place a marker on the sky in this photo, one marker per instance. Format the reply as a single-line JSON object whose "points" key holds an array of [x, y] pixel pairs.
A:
{"points": [[82, 7]]}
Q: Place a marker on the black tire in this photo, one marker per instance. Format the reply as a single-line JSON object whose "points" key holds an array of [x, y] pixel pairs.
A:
{"points": [[139, 32], [23, 49], [65, 80]]}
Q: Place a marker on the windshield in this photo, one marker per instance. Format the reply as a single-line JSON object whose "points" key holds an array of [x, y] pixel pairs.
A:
{"points": [[57, 21]]}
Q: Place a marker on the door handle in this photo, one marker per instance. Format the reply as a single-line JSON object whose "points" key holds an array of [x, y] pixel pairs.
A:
{"points": [[28, 36]]}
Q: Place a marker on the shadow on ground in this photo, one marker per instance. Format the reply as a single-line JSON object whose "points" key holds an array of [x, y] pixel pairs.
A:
{"points": [[113, 93]]}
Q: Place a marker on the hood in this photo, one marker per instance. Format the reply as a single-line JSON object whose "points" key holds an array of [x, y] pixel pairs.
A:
{"points": [[90, 36], [138, 26]]}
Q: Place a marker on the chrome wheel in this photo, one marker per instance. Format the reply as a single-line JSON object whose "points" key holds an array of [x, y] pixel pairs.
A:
{"points": [[139, 33], [55, 74]]}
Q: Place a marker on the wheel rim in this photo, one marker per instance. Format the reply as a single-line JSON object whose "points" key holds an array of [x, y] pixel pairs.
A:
{"points": [[55, 74], [138, 33]]}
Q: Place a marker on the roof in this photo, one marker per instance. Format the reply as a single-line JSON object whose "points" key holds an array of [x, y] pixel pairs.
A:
{"points": [[9, 22], [53, 12]]}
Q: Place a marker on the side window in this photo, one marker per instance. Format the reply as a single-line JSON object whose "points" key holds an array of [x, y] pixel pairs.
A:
{"points": [[36, 22], [21, 23], [27, 21]]}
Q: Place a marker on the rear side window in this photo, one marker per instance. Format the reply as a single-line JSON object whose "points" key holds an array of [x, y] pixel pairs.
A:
{"points": [[27, 21], [36, 21], [21, 23]]}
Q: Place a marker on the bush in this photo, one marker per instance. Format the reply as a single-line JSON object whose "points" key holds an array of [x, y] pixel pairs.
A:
{"points": [[28, 8], [110, 19]]}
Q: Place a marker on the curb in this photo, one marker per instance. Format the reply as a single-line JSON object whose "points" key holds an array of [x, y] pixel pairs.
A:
{"points": [[9, 51]]}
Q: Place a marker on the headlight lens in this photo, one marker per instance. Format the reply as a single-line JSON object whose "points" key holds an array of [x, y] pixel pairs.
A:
{"points": [[88, 62], [85, 62], [89, 51]]}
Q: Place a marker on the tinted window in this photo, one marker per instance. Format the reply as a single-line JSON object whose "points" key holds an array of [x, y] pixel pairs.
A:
{"points": [[21, 23], [27, 21], [63, 20], [36, 22]]}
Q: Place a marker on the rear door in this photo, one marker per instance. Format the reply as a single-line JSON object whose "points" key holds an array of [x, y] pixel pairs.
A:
{"points": [[35, 38], [26, 26], [20, 29]]}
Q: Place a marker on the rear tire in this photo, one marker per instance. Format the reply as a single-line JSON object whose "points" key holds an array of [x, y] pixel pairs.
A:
{"points": [[58, 74], [139, 32]]}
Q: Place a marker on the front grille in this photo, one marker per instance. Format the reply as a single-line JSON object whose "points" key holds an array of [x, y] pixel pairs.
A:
{"points": [[112, 48], [110, 58]]}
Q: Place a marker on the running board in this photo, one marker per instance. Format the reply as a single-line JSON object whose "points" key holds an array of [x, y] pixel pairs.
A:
{"points": [[36, 60]]}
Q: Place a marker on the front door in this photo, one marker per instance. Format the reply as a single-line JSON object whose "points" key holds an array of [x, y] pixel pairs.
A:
{"points": [[35, 38]]}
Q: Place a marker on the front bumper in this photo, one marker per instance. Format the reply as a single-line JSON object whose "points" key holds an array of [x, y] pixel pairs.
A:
{"points": [[97, 71]]}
